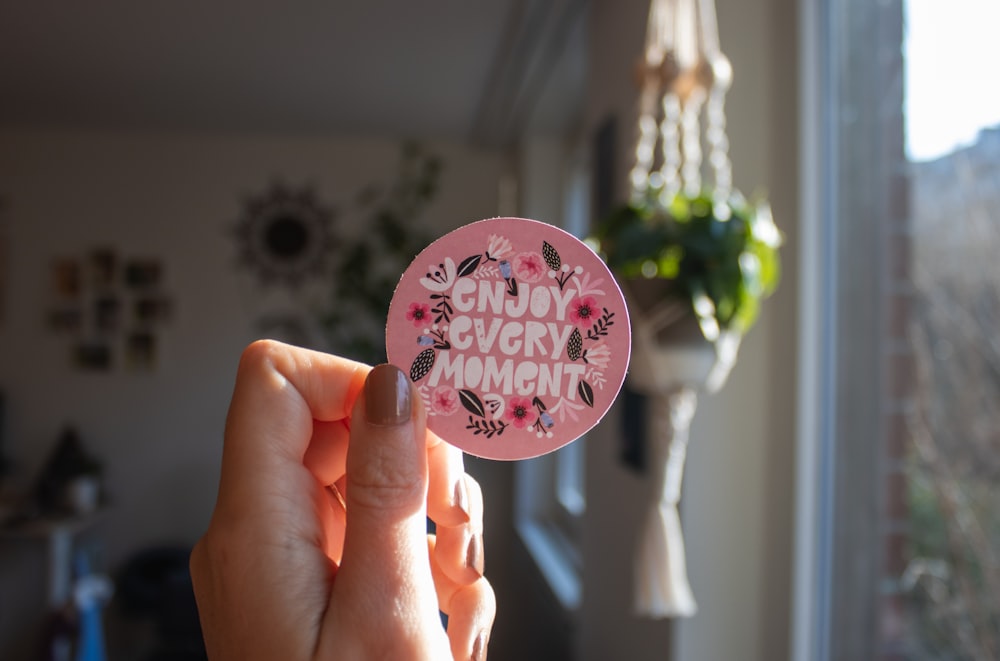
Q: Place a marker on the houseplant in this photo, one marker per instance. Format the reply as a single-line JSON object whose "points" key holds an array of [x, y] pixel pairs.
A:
{"points": [[694, 269], [715, 260], [694, 259]]}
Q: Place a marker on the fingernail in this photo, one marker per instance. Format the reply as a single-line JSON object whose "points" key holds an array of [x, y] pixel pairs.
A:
{"points": [[387, 396], [479, 647], [461, 496], [474, 554]]}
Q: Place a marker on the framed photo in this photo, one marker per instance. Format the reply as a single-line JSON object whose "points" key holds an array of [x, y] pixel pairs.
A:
{"points": [[140, 351], [107, 313], [152, 310], [66, 278], [104, 267], [66, 319], [143, 273], [92, 356]]}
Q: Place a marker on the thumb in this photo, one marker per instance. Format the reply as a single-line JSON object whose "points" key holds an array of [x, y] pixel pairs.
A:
{"points": [[385, 567]]}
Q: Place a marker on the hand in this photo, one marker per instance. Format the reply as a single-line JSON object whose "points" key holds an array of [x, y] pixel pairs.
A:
{"points": [[317, 548]]}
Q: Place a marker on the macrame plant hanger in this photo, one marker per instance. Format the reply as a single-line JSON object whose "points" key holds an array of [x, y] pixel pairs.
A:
{"points": [[683, 76]]}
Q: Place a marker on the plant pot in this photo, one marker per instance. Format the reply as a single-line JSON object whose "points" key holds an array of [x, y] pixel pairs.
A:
{"points": [[669, 350]]}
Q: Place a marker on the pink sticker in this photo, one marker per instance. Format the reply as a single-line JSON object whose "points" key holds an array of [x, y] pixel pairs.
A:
{"points": [[515, 335]]}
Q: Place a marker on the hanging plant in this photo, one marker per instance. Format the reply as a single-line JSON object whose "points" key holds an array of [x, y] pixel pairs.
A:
{"points": [[719, 260]]}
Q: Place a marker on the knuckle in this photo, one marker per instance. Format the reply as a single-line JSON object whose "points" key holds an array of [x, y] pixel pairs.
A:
{"points": [[386, 493], [259, 354]]}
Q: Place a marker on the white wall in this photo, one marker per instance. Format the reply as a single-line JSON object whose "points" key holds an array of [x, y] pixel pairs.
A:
{"points": [[736, 504], [171, 197]]}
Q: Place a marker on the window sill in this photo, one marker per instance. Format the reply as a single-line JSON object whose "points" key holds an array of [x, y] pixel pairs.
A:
{"points": [[556, 558]]}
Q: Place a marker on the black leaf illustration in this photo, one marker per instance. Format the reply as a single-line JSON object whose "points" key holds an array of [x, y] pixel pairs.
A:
{"points": [[422, 364], [487, 428], [551, 256], [536, 402], [472, 403], [586, 393], [469, 265], [512, 286], [601, 327], [574, 345]]}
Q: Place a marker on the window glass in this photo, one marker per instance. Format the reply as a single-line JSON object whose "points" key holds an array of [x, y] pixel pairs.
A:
{"points": [[950, 577]]}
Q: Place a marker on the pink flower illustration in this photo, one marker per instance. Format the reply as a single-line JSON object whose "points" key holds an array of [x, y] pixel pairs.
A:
{"points": [[598, 355], [583, 311], [444, 400], [529, 266], [498, 247], [520, 412], [419, 314]]}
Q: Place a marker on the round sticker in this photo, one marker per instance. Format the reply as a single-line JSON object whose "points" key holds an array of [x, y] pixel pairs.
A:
{"points": [[514, 333]]}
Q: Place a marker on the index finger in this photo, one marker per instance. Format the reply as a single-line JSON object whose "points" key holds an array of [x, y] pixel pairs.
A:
{"points": [[280, 390]]}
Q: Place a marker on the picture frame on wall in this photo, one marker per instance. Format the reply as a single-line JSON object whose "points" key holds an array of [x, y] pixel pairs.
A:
{"points": [[110, 307]]}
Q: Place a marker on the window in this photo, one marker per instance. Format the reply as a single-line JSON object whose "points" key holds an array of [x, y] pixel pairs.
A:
{"points": [[899, 486], [550, 501]]}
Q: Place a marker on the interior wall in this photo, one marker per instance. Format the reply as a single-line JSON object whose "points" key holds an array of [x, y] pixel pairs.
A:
{"points": [[171, 197], [736, 507]]}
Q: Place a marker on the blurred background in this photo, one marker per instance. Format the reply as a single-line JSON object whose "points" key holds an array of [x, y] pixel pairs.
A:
{"points": [[178, 179]]}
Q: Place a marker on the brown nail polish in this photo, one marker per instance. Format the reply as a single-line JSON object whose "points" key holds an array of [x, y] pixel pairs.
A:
{"points": [[474, 554], [479, 647], [461, 496], [387, 396]]}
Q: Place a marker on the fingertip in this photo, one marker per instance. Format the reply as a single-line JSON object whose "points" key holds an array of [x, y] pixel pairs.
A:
{"points": [[388, 396], [470, 621], [448, 499]]}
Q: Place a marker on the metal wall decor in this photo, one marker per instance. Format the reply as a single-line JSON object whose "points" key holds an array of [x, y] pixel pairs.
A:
{"points": [[285, 236]]}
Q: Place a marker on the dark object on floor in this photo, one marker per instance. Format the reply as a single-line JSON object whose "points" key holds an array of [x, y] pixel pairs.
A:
{"points": [[156, 583]]}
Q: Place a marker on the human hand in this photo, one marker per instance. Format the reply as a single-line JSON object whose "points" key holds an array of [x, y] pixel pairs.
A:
{"points": [[317, 548]]}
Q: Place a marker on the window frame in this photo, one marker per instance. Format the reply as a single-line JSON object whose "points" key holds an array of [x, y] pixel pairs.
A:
{"points": [[850, 157], [549, 502]]}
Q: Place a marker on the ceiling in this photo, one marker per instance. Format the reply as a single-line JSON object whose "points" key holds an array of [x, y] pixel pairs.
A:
{"points": [[470, 70]]}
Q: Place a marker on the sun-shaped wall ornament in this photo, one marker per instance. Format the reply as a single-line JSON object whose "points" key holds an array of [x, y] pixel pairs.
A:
{"points": [[285, 236]]}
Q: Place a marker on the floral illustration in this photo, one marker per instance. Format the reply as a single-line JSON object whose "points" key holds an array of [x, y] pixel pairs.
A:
{"points": [[419, 314], [508, 276], [490, 414], [529, 266], [566, 409], [587, 287], [497, 247], [583, 311], [520, 412], [440, 278], [598, 355], [434, 337], [444, 400], [494, 403]]}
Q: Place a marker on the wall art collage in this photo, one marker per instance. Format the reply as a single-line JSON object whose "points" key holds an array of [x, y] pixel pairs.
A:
{"points": [[110, 308]]}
